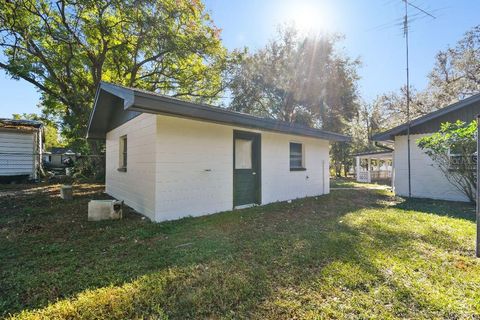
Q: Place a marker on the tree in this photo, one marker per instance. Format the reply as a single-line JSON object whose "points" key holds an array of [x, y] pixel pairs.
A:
{"points": [[456, 74], [363, 126], [297, 79], [300, 79], [390, 109], [50, 129], [453, 149], [65, 48]]}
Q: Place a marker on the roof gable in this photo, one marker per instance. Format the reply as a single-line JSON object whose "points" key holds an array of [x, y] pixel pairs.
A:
{"points": [[464, 110]]}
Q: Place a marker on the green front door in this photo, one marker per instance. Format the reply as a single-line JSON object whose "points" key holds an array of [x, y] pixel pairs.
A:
{"points": [[246, 168]]}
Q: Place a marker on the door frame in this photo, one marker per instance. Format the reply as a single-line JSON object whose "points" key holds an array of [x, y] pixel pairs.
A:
{"points": [[258, 160]]}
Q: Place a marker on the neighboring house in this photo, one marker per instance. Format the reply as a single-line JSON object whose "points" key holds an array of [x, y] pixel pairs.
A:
{"points": [[21, 147], [169, 158], [427, 181], [374, 166], [56, 157]]}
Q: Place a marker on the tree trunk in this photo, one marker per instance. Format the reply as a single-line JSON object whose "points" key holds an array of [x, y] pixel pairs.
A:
{"points": [[346, 168], [96, 158]]}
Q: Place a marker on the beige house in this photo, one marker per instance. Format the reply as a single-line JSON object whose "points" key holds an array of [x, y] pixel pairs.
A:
{"points": [[169, 159]]}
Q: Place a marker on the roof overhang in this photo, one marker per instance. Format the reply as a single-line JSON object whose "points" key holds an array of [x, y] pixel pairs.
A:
{"points": [[20, 125], [389, 135], [377, 154], [115, 105]]}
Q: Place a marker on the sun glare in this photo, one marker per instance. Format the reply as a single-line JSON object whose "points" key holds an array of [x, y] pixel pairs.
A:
{"points": [[306, 16]]}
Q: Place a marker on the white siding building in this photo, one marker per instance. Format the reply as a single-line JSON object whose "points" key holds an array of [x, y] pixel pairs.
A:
{"points": [[426, 179], [170, 159], [21, 143]]}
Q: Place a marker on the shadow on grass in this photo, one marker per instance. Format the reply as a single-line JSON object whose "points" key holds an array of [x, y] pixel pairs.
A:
{"points": [[263, 262], [459, 210]]}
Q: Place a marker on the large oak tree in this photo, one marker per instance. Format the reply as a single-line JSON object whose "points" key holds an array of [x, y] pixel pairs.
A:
{"points": [[66, 47], [296, 78]]}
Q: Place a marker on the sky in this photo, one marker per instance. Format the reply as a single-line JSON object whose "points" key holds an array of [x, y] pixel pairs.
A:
{"points": [[368, 27]]}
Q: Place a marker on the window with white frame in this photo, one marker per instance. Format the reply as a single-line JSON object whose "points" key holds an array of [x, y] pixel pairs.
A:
{"points": [[297, 161], [123, 154]]}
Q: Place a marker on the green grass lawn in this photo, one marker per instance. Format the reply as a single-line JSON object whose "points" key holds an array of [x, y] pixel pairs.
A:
{"points": [[351, 254], [341, 182]]}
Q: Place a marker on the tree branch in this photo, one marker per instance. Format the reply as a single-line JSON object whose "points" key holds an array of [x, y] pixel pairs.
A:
{"points": [[36, 83]]}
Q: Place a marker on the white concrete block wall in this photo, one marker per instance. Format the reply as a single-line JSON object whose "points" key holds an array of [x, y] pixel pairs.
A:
{"points": [[278, 182], [181, 167], [427, 180], [194, 168], [136, 186]]}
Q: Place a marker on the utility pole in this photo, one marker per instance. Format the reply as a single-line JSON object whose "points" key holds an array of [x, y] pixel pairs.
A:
{"points": [[405, 30], [405, 27]]}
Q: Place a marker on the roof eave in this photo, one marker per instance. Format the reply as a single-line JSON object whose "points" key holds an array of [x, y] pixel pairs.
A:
{"points": [[127, 95], [386, 137], [144, 102], [389, 135], [139, 101]]}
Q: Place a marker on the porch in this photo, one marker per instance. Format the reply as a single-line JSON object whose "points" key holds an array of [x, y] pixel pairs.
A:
{"points": [[374, 167]]}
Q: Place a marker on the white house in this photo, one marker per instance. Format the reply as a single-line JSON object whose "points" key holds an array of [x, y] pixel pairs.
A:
{"points": [[168, 158], [426, 179], [21, 146], [374, 166], [56, 157]]}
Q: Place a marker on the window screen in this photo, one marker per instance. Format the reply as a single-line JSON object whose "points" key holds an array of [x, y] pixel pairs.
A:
{"points": [[123, 152], [296, 156]]}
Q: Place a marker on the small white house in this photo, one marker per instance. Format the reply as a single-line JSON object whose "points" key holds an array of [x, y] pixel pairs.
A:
{"points": [[21, 146], [56, 157], [426, 179], [169, 159]]}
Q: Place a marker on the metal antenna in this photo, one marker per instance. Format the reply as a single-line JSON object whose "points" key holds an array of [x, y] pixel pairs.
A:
{"points": [[405, 30]]}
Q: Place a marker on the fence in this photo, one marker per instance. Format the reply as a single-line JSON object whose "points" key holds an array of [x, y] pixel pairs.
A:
{"points": [[29, 165]]}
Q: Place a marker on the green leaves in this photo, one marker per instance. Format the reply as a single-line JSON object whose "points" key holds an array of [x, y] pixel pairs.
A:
{"points": [[50, 129], [458, 136], [66, 48], [298, 79], [453, 149], [456, 74]]}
